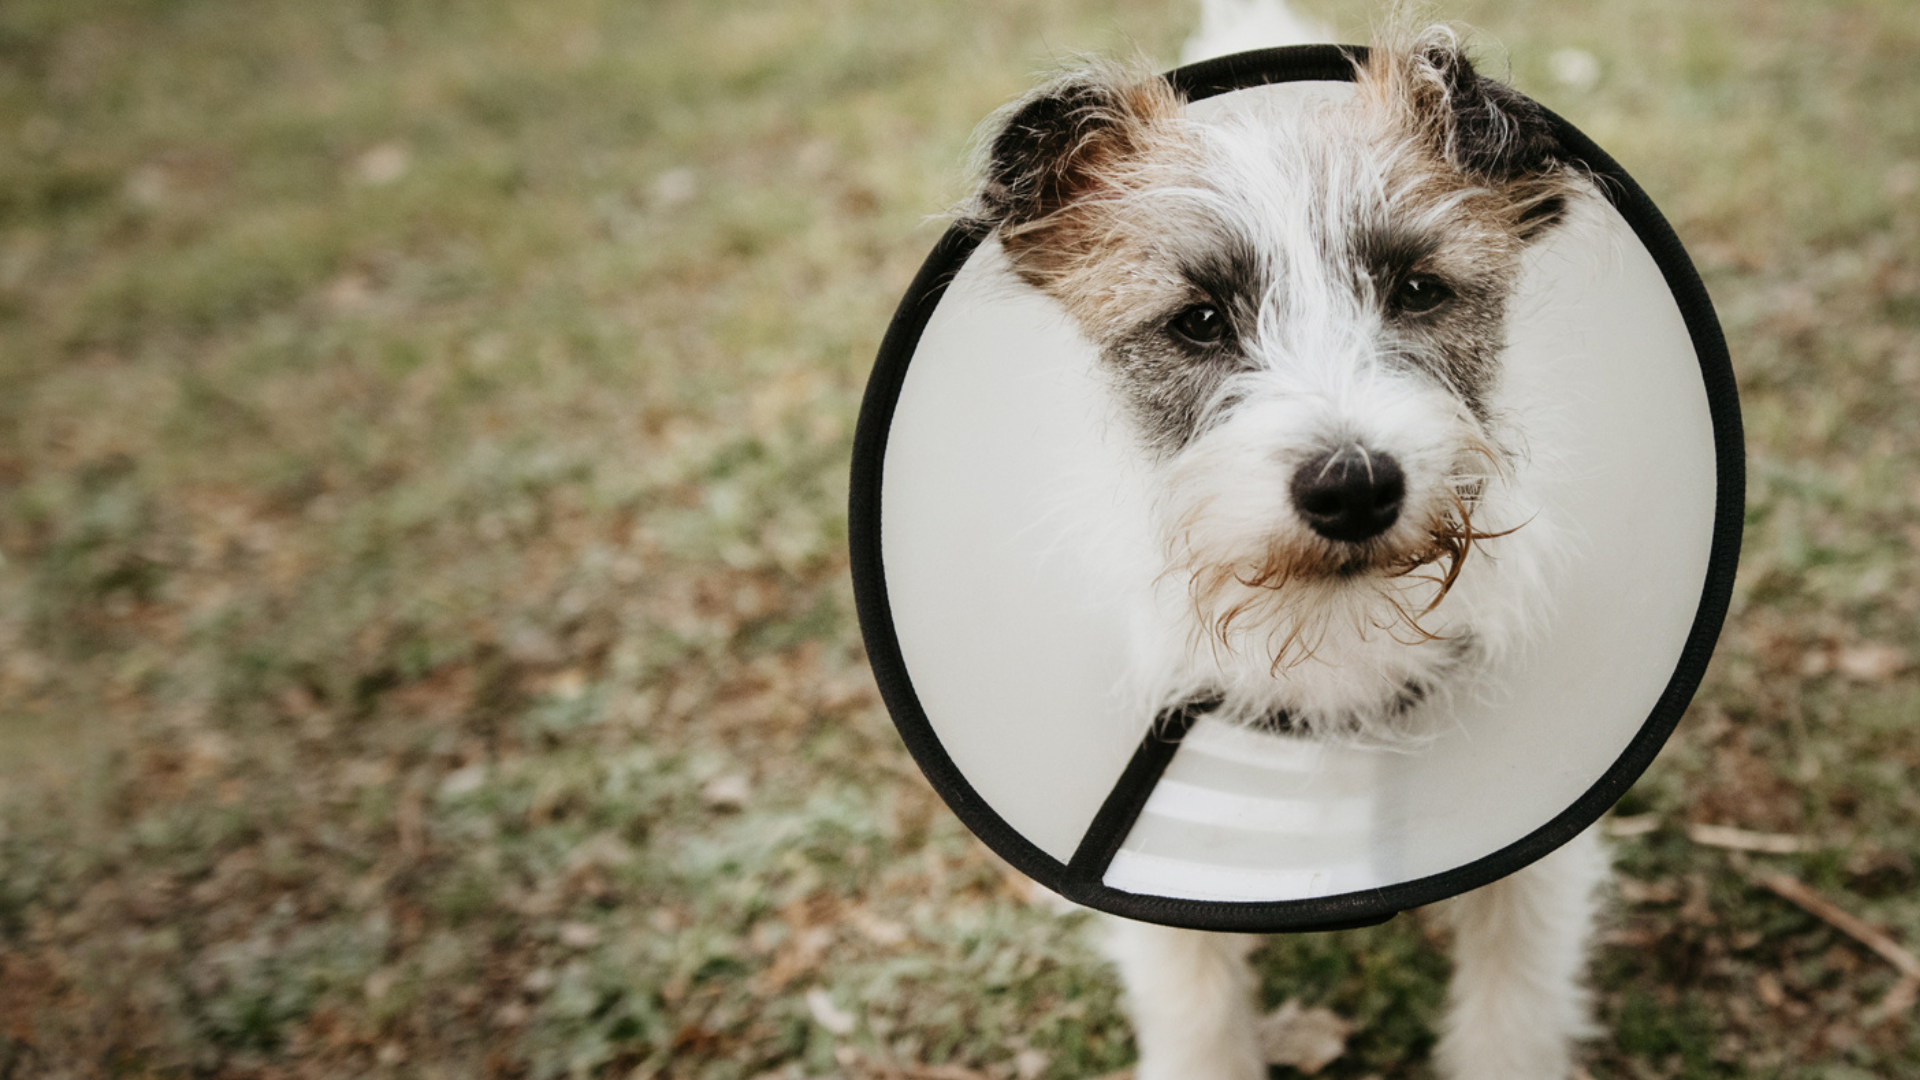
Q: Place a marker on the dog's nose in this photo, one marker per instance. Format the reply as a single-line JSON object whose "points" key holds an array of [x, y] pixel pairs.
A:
{"points": [[1350, 493]]}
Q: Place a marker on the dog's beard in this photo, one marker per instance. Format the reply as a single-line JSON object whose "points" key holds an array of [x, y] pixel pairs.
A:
{"points": [[1259, 578], [1283, 600]]}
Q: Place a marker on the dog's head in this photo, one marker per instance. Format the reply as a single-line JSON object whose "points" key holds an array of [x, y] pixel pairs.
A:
{"points": [[1302, 312]]}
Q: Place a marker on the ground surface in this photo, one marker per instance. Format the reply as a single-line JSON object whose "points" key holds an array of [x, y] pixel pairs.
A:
{"points": [[425, 645]]}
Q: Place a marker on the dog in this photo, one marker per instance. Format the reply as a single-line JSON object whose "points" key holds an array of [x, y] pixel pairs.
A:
{"points": [[1300, 317]]}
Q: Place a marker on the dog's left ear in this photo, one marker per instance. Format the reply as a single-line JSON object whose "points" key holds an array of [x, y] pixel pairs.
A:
{"points": [[1482, 127], [1498, 133]]}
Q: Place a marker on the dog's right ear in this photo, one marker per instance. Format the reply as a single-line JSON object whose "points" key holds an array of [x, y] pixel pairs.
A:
{"points": [[1068, 142]]}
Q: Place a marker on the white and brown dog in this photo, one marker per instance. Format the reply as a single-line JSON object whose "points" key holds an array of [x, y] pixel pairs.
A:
{"points": [[1301, 314]]}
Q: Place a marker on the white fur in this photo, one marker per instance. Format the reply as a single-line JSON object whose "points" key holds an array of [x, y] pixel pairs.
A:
{"points": [[1285, 177], [1516, 1002], [1515, 1005], [1513, 1009], [1191, 998]]}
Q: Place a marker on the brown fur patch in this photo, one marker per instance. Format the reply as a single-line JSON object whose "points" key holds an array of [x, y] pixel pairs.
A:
{"points": [[1064, 164], [1479, 134], [1279, 592]]}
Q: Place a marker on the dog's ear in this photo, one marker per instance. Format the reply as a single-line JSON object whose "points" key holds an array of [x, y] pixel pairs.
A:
{"points": [[1067, 141], [1498, 134], [1482, 127]]}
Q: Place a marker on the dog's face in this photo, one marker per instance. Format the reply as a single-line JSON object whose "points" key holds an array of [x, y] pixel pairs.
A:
{"points": [[1302, 312]]}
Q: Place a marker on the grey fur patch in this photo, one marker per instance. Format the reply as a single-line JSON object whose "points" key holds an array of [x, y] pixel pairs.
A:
{"points": [[1467, 182], [1169, 381], [1458, 343]]}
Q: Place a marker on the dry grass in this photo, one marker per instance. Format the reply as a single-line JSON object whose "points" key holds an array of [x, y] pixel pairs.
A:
{"points": [[424, 642]]}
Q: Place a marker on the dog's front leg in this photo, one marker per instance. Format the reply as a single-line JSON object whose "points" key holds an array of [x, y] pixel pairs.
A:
{"points": [[1517, 1001], [1190, 995]]}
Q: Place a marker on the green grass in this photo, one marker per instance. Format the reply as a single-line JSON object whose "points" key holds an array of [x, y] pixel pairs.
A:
{"points": [[422, 445]]}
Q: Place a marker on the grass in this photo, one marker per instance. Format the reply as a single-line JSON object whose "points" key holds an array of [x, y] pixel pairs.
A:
{"points": [[425, 647]]}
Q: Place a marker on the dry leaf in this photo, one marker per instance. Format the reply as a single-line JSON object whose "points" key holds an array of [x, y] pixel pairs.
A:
{"points": [[579, 935], [1635, 891], [676, 186], [1306, 1039], [880, 931], [464, 781], [601, 849], [836, 1020], [729, 792], [383, 164], [1871, 662]]}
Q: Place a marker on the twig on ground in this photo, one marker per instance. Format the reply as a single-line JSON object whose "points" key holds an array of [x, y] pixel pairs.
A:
{"points": [[1902, 996], [1729, 838], [1621, 827], [1792, 888], [1898, 1001]]}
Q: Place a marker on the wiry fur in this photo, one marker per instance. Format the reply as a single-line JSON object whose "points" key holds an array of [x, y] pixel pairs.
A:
{"points": [[1191, 998], [1514, 1007], [1315, 237], [1298, 225]]}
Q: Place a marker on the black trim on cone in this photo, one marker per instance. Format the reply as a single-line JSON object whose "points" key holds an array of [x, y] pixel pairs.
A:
{"points": [[1198, 81]]}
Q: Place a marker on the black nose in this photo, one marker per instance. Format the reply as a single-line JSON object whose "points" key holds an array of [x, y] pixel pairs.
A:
{"points": [[1351, 494]]}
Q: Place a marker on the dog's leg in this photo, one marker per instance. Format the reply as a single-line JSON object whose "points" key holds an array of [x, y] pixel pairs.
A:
{"points": [[1191, 998], [1520, 948]]}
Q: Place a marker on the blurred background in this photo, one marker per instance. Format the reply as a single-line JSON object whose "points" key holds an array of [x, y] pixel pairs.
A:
{"points": [[425, 643]]}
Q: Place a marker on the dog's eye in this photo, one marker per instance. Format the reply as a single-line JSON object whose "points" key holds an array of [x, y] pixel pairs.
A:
{"points": [[1201, 324], [1419, 293]]}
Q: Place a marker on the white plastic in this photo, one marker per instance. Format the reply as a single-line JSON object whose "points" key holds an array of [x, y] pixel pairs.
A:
{"points": [[1015, 657]]}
